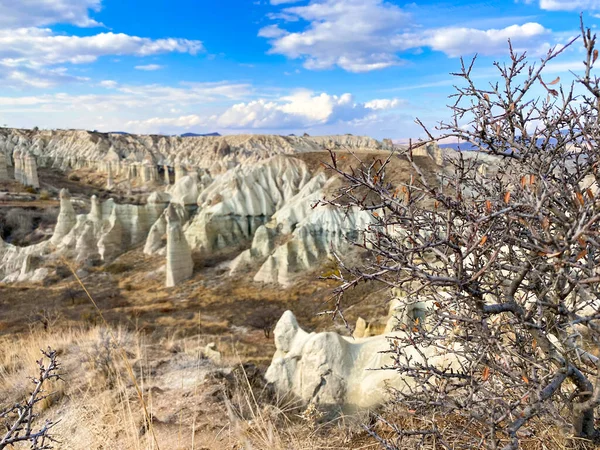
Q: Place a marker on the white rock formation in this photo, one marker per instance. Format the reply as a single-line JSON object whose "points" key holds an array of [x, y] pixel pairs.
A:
{"points": [[78, 148], [262, 246], [30, 173], [167, 178], [334, 371], [180, 265], [315, 238], [238, 190], [86, 248], [18, 164], [237, 202], [3, 167], [110, 244], [66, 218], [110, 182], [185, 190]]}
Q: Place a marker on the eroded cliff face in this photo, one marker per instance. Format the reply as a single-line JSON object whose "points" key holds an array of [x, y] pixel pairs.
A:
{"points": [[228, 192], [78, 148]]}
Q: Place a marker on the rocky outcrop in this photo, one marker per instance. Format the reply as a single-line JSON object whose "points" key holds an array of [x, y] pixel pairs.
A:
{"points": [[263, 245], [78, 148], [180, 265], [3, 167], [107, 231], [18, 163], [66, 218], [110, 244], [229, 192], [339, 373], [315, 238], [30, 173], [238, 202]]}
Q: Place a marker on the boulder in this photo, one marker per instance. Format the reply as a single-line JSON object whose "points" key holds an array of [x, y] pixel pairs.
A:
{"points": [[339, 373]]}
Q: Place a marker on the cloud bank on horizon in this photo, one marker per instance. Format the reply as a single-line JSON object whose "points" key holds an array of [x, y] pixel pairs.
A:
{"points": [[279, 66]]}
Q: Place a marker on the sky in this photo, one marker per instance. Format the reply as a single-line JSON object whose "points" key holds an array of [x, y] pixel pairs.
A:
{"points": [[366, 67]]}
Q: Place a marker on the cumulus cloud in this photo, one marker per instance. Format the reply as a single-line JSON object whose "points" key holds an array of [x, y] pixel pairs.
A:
{"points": [[366, 35], [149, 67], [384, 103], [352, 34], [33, 13], [570, 5], [30, 54], [299, 110], [41, 46], [459, 41]]}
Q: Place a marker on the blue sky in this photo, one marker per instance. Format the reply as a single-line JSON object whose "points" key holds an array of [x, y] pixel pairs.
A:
{"points": [[266, 66]]}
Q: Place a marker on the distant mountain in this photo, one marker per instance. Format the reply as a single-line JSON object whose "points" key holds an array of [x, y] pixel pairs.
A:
{"points": [[196, 134], [117, 132]]}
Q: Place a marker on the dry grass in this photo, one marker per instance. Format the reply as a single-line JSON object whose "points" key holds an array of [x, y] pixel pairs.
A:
{"points": [[192, 402]]}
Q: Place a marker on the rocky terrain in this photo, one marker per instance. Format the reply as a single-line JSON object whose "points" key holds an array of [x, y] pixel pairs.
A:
{"points": [[209, 238], [226, 192]]}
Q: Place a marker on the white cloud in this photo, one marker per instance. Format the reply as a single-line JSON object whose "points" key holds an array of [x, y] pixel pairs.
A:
{"points": [[35, 53], [149, 67], [366, 35], [33, 13], [109, 84], [570, 5], [41, 78], [462, 41], [384, 104], [134, 100], [299, 110], [41, 46], [352, 34]]}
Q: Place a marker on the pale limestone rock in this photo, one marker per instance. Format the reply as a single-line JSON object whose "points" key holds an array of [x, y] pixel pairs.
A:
{"points": [[180, 265], [326, 229], [211, 352], [26, 269], [154, 241], [95, 214], [238, 202], [332, 371], [77, 148], [18, 166], [110, 182], [180, 172], [66, 218], [3, 167], [86, 247], [185, 190], [262, 246], [360, 329], [110, 244], [166, 176], [30, 171]]}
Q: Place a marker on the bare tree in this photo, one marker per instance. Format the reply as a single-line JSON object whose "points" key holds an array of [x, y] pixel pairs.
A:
{"points": [[265, 319], [19, 419], [507, 259]]}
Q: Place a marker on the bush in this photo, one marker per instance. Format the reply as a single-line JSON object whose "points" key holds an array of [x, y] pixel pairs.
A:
{"points": [[507, 260], [265, 318]]}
